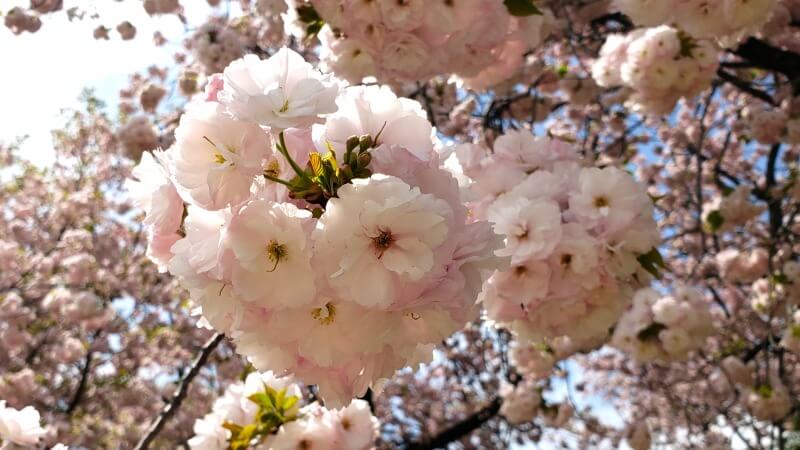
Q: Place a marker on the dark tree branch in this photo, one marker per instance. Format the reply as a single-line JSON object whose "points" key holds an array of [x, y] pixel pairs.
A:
{"points": [[755, 350], [622, 22], [768, 57], [87, 367], [183, 388], [460, 429], [746, 87], [368, 397]]}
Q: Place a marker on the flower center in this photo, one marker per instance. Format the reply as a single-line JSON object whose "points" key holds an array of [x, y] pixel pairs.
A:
{"points": [[273, 168], [601, 202], [566, 260], [382, 241], [219, 157], [276, 253], [324, 315], [346, 424], [520, 271]]}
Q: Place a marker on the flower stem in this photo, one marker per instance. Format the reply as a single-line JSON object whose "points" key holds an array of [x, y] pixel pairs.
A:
{"points": [[285, 152]]}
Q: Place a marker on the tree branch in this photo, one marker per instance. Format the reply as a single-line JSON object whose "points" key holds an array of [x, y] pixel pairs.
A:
{"points": [[768, 57], [87, 366], [460, 429], [744, 86], [180, 394]]}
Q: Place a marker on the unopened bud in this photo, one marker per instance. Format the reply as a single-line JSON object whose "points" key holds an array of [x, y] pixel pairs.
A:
{"points": [[345, 172], [352, 143], [365, 143], [364, 159]]}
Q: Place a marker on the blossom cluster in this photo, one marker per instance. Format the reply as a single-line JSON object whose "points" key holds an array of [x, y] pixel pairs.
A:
{"points": [[736, 266], [215, 45], [405, 41], [725, 213], [659, 65], [318, 230], [268, 413], [638, 436], [770, 126], [791, 337], [155, 7], [658, 327], [574, 235], [19, 427], [520, 402], [766, 398], [136, 136], [18, 21], [726, 20], [537, 360]]}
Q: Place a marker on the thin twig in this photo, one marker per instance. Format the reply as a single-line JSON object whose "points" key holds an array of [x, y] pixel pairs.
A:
{"points": [[460, 429], [87, 367], [744, 86], [180, 394]]}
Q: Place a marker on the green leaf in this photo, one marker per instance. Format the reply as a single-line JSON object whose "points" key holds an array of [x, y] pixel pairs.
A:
{"points": [[314, 28], [543, 347], [715, 220], [232, 427], [726, 190], [652, 262], [521, 8], [279, 399], [289, 403], [272, 393], [780, 278], [240, 436], [263, 400], [330, 160], [307, 14], [562, 71], [764, 390], [651, 332], [248, 369], [315, 160], [737, 346]]}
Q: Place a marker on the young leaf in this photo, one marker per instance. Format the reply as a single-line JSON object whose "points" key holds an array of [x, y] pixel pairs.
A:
{"points": [[263, 400], [315, 160], [521, 8], [714, 220], [651, 262], [289, 402]]}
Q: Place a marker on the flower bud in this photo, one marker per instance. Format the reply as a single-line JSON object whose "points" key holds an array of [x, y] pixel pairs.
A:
{"points": [[364, 159], [351, 143], [365, 142]]}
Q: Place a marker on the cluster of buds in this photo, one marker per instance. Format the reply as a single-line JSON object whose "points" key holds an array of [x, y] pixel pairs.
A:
{"points": [[323, 175]]}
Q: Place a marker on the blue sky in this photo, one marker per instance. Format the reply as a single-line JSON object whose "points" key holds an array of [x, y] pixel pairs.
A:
{"points": [[47, 70]]}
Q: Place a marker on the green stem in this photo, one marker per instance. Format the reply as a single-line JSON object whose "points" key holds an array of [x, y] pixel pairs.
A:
{"points": [[278, 180], [285, 152]]}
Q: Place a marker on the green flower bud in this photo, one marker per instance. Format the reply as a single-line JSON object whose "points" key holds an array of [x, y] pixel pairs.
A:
{"points": [[364, 159], [365, 143], [352, 143]]}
